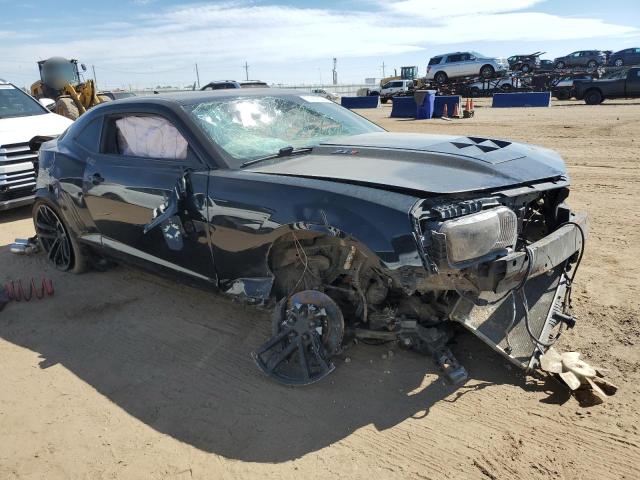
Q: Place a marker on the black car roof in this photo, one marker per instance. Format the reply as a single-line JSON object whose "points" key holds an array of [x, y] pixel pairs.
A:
{"points": [[200, 96]]}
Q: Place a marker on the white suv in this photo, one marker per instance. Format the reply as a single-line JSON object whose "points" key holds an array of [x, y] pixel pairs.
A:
{"points": [[464, 64], [21, 118]]}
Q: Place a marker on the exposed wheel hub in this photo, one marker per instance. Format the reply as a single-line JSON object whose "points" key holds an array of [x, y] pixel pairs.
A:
{"points": [[307, 329]]}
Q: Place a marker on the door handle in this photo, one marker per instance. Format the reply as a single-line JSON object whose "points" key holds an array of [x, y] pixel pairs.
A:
{"points": [[97, 179]]}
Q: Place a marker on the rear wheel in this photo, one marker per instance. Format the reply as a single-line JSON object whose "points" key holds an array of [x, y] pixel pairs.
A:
{"points": [[487, 71], [440, 78], [60, 245], [593, 97], [592, 64], [526, 68], [384, 99], [619, 62], [475, 92], [560, 64]]}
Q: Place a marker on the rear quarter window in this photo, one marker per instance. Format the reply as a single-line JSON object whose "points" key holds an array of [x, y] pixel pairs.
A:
{"points": [[435, 60]]}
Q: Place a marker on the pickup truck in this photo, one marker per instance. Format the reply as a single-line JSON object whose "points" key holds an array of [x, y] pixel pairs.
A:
{"points": [[622, 84]]}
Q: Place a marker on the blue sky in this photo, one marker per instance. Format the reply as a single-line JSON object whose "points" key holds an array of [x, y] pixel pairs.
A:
{"points": [[150, 42]]}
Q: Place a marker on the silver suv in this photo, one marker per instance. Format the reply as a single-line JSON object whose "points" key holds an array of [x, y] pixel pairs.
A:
{"points": [[464, 64]]}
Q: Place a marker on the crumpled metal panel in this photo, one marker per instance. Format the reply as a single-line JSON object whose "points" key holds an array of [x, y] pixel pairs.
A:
{"points": [[493, 323]]}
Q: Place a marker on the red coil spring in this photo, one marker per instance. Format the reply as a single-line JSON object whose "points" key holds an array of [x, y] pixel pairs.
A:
{"points": [[16, 292]]}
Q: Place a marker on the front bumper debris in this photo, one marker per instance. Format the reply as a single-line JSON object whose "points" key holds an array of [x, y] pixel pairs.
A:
{"points": [[498, 318]]}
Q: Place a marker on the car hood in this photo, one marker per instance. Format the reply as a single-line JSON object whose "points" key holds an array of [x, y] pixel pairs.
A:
{"points": [[23, 129], [436, 164]]}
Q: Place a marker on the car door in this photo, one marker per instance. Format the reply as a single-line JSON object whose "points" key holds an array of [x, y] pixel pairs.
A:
{"points": [[573, 59], [468, 65], [146, 169], [633, 83], [633, 57], [452, 65]]}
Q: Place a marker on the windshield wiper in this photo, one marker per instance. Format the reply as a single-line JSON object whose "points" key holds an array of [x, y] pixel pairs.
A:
{"points": [[283, 152]]}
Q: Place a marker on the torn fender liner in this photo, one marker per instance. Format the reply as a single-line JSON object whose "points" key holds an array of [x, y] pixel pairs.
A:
{"points": [[496, 325]]}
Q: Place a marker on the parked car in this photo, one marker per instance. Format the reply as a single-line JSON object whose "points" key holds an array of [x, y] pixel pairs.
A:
{"points": [[253, 84], [394, 87], [464, 64], [621, 84], [504, 84], [628, 56], [221, 85], [281, 197], [581, 58], [563, 88], [323, 93], [22, 118], [117, 94], [546, 66], [525, 63]]}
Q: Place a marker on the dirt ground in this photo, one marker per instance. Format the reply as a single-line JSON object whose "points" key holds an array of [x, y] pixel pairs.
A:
{"points": [[125, 375]]}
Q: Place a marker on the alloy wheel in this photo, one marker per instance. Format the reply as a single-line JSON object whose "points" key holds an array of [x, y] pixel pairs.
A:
{"points": [[54, 238]]}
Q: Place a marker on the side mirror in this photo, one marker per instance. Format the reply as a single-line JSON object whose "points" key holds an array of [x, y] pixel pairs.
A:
{"points": [[47, 103], [83, 67]]}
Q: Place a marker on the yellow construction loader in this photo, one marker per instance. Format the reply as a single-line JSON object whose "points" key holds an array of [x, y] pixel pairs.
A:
{"points": [[60, 81]]}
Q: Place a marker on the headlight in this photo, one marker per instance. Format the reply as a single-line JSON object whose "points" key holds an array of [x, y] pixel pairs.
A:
{"points": [[477, 235]]}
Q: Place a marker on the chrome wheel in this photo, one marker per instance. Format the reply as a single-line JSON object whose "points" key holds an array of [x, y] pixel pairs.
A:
{"points": [[54, 238]]}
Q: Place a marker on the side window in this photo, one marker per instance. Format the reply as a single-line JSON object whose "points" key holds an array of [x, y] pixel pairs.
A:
{"points": [[387, 85], [465, 57], [89, 136], [435, 60], [453, 58], [145, 136]]}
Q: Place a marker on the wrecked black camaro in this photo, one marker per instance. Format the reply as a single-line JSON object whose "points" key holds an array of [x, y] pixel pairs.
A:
{"points": [[290, 200]]}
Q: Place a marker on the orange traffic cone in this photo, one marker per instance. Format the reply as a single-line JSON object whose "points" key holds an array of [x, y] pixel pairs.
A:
{"points": [[468, 109], [456, 110], [445, 114]]}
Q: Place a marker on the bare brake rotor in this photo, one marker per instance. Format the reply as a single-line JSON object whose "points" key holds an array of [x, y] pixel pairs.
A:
{"points": [[308, 328]]}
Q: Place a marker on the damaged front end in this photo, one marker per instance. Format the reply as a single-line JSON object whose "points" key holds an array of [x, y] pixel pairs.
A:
{"points": [[502, 265]]}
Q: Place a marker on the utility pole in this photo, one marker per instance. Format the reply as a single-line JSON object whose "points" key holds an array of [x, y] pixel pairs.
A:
{"points": [[246, 71], [335, 71], [93, 68], [197, 75], [383, 75]]}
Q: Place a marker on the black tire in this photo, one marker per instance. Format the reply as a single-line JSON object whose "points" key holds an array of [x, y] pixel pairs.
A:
{"points": [[559, 65], [475, 92], [440, 78], [563, 95], [56, 239], [506, 87], [526, 68], [592, 64], [593, 97], [619, 62], [487, 71], [384, 99]]}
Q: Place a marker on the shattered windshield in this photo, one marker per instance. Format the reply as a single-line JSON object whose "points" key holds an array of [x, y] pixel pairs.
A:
{"points": [[252, 127]]}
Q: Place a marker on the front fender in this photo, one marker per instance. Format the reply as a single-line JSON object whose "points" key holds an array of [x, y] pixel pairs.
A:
{"points": [[247, 212]]}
